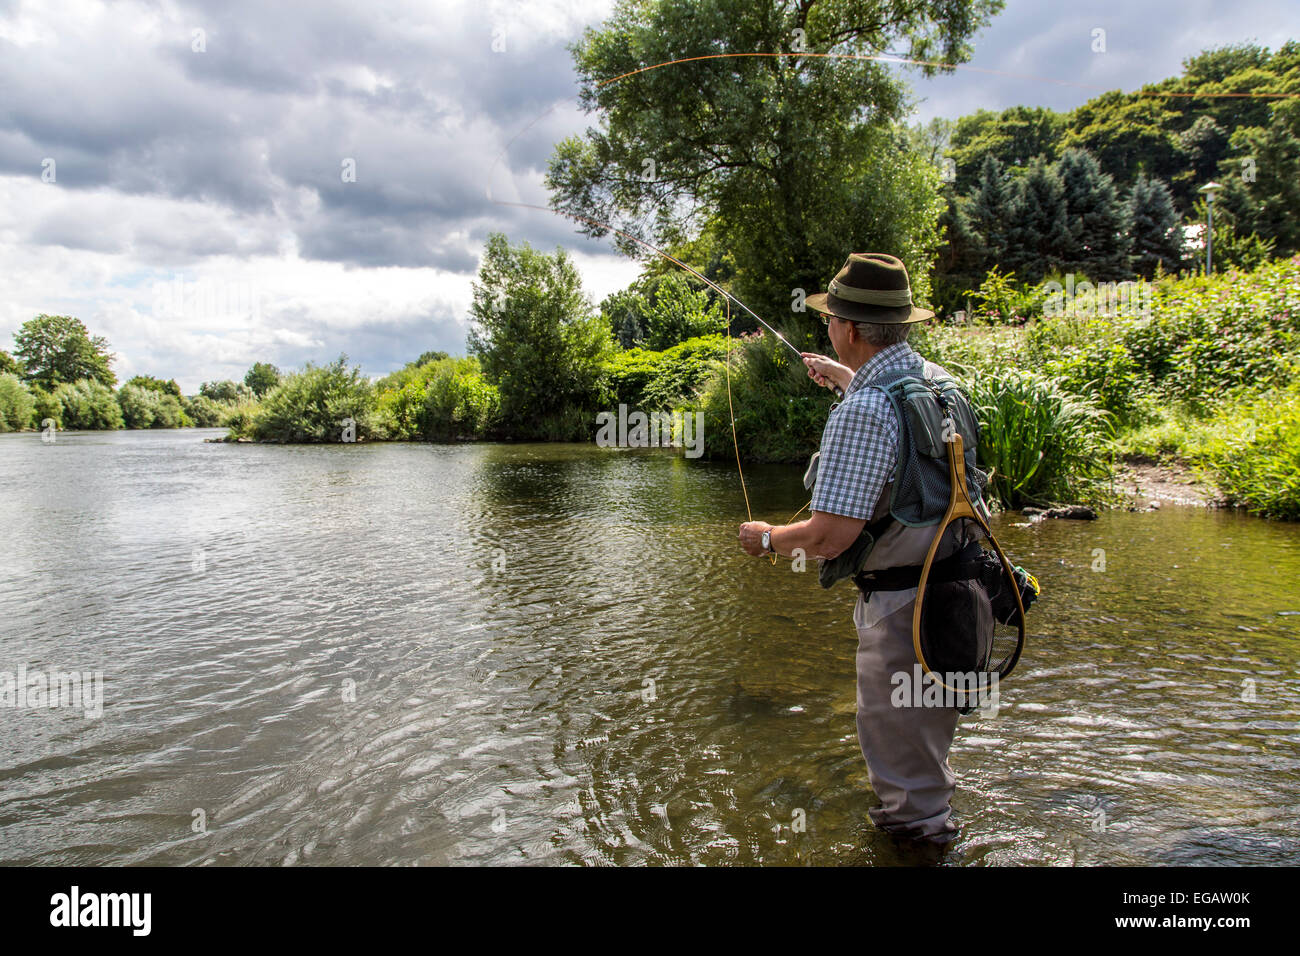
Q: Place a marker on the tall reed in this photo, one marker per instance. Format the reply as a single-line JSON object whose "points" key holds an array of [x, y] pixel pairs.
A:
{"points": [[1043, 444]]}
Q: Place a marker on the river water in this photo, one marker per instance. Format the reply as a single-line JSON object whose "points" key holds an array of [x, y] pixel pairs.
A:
{"points": [[527, 654]]}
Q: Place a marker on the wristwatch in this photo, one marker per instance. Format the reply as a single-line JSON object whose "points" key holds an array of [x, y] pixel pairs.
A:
{"points": [[767, 541]]}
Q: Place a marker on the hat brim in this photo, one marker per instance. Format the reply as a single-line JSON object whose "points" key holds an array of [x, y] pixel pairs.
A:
{"points": [[828, 304]]}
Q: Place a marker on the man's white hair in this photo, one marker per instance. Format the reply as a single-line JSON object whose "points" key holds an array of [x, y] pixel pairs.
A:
{"points": [[883, 335]]}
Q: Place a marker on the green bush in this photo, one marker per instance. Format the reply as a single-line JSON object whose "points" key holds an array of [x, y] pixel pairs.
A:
{"points": [[444, 399], [238, 416], [146, 407], [161, 386], [1088, 355], [678, 311], [1103, 371], [779, 412], [400, 398], [663, 380], [226, 391], [629, 373], [1043, 444], [459, 403], [1209, 335], [1002, 299], [684, 370], [401, 409], [313, 406], [90, 405], [16, 404], [170, 413], [138, 404], [203, 411], [45, 407], [973, 349], [1254, 454]]}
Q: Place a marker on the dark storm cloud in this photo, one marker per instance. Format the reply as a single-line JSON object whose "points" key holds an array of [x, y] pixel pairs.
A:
{"points": [[279, 97], [259, 123], [376, 241]]}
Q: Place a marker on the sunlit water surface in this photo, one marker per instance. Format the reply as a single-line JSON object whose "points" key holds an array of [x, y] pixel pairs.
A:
{"points": [[421, 654]]}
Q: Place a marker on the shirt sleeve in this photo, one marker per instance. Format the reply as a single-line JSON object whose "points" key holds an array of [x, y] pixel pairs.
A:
{"points": [[858, 451]]}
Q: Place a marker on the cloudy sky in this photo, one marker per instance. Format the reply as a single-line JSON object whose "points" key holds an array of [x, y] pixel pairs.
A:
{"points": [[174, 173]]}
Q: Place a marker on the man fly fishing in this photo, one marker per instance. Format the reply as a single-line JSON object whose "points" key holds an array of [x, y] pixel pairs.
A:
{"points": [[874, 515]]}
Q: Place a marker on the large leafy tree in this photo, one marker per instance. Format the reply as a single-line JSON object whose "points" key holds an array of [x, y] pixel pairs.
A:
{"points": [[161, 386], [262, 377], [58, 349], [659, 311], [624, 313], [1261, 180], [1014, 137], [225, 391], [88, 404], [1130, 134], [1204, 144], [1243, 68], [538, 337], [798, 160]]}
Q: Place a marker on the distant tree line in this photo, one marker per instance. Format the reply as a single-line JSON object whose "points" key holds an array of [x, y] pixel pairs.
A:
{"points": [[60, 373], [1106, 188]]}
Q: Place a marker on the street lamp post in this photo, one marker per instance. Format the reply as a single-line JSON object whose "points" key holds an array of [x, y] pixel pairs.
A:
{"points": [[1209, 189]]}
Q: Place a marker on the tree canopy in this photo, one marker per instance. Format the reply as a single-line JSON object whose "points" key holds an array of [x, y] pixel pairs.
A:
{"points": [[57, 349], [538, 338], [168, 387], [225, 391], [262, 377], [798, 160]]}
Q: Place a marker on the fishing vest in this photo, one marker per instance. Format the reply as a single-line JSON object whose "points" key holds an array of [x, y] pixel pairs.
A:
{"points": [[915, 498]]}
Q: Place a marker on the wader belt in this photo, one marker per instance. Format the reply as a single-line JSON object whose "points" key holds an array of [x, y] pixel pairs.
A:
{"points": [[959, 566]]}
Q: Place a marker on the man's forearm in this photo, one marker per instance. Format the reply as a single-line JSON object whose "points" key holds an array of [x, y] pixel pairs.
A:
{"points": [[821, 536], [801, 535]]}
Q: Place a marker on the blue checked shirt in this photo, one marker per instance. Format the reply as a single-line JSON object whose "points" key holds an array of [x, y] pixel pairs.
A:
{"points": [[860, 442]]}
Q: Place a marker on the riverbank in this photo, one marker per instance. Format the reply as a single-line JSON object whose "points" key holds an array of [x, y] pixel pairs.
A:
{"points": [[1147, 483]]}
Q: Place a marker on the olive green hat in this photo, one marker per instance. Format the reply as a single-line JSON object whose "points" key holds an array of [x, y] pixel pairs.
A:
{"points": [[872, 287]]}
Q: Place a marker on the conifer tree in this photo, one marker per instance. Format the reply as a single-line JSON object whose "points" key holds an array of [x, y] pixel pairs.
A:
{"points": [[1039, 237], [989, 213], [1154, 229], [1097, 242]]}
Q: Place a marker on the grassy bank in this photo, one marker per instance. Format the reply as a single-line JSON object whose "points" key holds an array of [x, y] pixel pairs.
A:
{"points": [[1208, 375]]}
